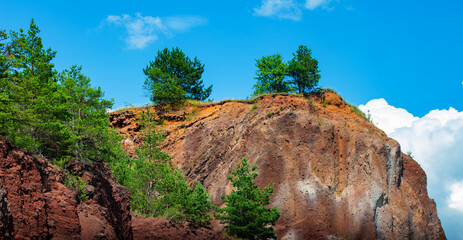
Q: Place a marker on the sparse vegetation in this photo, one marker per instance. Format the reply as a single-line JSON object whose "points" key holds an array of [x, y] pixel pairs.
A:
{"points": [[409, 153], [269, 113], [254, 107]]}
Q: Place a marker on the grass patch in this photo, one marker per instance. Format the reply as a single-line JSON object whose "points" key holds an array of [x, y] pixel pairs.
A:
{"points": [[254, 107]]}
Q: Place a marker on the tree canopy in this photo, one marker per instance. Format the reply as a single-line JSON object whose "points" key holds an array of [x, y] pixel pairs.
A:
{"points": [[270, 75], [300, 74], [173, 77], [303, 70]]}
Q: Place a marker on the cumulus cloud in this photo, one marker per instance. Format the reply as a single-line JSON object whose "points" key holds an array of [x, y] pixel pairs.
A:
{"points": [[288, 9], [140, 31], [387, 117], [435, 141], [456, 196]]}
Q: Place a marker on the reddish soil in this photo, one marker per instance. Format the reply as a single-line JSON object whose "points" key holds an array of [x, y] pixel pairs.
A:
{"points": [[159, 228], [335, 174]]}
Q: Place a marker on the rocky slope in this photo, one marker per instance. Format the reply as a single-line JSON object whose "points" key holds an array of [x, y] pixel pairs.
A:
{"points": [[36, 205], [335, 174]]}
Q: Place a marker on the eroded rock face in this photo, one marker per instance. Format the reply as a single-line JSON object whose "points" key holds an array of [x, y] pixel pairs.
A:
{"points": [[335, 174], [35, 204]]}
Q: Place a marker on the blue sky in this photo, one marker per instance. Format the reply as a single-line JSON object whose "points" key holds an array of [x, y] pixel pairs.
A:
{"points": [[407, 52]]}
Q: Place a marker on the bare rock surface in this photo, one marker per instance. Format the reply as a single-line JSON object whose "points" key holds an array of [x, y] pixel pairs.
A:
{"points": [[35, 204], [335, 174]]}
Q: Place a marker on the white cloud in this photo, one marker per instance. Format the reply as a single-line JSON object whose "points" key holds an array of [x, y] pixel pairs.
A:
{"points": [[456, 196], [144, 30], [183, 23], [435, 141], [387, 117], [312, 4], [286, 9]]}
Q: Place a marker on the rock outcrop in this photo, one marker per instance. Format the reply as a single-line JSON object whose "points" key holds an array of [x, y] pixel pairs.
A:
{"points": [[336, 175], [35, 204]]}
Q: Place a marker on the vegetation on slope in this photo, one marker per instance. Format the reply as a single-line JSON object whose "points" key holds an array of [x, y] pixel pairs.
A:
{"points": [[61, 116]]}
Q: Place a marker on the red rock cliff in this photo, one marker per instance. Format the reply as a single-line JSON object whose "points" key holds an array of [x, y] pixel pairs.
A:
{"points": [[335, 174], [35, 204]]}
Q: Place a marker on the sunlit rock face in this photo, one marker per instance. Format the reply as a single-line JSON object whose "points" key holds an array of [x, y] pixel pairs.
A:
{"points": [[335, 175]]}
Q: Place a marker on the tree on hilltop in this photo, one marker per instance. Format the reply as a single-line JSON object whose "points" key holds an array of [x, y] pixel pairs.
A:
{"points": [[303, 70], [173, 77], [273, 75]]}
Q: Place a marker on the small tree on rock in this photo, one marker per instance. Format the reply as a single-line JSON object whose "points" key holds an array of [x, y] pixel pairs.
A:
{"points": [[245, 213]]}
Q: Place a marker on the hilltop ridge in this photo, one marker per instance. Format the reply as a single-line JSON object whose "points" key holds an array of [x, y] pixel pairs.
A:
{"points": [[336, 175]]}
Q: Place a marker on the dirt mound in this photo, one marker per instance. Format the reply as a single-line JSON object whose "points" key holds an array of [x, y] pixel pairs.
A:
{"points": [[335, 174], [159, 228], [36, 205]]}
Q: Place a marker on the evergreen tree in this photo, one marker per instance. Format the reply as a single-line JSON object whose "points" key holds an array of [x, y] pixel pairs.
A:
{"points": [[89, 124], [36, 113], [6, 106], [245, 213], [173, 77], [199, 205], [270, 75], [157, 187], [303, 70]]}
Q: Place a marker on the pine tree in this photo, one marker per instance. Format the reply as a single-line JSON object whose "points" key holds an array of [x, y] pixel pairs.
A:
{"points": [[36, 108], [88, 123], [174, 77], [303, 69], [245, 213], [198, 206], [157, 187]]}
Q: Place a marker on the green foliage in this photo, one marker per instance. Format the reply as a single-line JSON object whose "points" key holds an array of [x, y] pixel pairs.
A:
{"points": [[274, 75], [254, 107], [199, 205], [33, 115], [270, 75], [157, 188], [87, 109], [174, 77], [303, 70], [71, 179], [357, 111], [245, 214], [58, 115]]}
